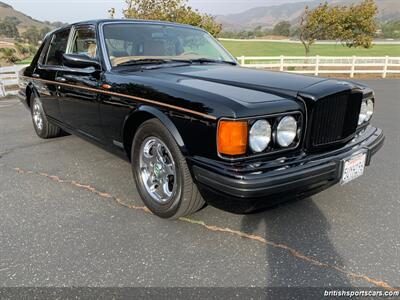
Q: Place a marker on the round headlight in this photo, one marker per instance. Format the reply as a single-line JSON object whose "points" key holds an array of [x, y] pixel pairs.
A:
{"points": [[370, 109], [260, 135], [286, 131], [363, 113]]}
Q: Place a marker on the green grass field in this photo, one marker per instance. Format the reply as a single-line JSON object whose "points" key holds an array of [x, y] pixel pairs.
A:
{"points": [[25, 61], [249, 48]]}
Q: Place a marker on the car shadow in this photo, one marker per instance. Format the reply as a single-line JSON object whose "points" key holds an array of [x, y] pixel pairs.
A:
{"points": [[301, 226]]}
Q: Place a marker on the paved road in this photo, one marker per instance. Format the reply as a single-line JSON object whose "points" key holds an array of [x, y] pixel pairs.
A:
{"points": [[70, 216]]}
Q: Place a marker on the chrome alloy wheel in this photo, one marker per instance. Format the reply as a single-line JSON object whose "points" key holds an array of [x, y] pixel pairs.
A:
{"points": [[37, 115], [157, 170]]}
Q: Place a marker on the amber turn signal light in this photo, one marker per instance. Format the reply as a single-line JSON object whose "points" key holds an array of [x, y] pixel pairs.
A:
{"points": [[232, 137]]}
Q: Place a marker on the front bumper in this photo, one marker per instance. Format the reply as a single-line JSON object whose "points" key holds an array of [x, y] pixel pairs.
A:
{"points": [[243, 189]]}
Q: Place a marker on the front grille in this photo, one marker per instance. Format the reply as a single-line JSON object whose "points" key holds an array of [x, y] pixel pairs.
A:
{"points": [[335, 118]]}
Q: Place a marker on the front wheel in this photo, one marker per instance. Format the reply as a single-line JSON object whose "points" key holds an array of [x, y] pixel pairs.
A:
{"points": [[161, 173]]}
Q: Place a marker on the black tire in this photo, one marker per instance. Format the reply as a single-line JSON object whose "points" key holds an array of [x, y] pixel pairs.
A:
{"points": [[187, 198], [46, 130]]}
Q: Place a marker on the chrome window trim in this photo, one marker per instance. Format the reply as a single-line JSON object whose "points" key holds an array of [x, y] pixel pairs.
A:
{"points": [[71, 35], [45, 51]]}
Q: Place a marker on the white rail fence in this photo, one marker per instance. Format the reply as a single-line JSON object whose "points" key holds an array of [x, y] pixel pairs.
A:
{"points": [[296, 64], [325, 64], [9, 80]]}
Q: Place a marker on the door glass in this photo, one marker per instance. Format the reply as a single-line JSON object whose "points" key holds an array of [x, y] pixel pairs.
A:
{"points": [[84, 42], [57, 48]]}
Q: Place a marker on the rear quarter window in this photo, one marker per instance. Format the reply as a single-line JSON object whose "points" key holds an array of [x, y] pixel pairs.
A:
{"points": [[57, 47]]}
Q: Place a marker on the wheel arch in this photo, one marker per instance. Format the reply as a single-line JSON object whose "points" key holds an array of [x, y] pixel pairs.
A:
{"points": [[30, 89], [141, 115]]}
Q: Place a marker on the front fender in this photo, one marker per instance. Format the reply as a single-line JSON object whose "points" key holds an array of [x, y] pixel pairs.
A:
{"points": [[144, 112]]}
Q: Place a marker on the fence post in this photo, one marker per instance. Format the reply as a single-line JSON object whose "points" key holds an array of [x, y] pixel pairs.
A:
{"points": [[353, 66], [2, 90], [317, 65], [17, 73], [242, 60], [2, 87], [281, 63], [385, 67]]}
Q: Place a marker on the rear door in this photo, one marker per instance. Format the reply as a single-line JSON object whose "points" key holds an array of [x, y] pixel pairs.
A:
{"points": [[78, 99], [44, 76]]}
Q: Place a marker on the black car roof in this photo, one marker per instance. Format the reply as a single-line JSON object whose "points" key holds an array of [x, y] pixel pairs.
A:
{"points": [[153, 22]]}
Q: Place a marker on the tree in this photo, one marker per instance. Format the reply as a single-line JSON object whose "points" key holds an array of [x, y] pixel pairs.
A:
{"points": [[318, 23], [358, 25], [9, 55], [32, 35], [22, 49], [111, 12], [391, 29], [353, 26], [55, 24], [171, 10], [32, 49], [282, 28], [45, 30], [8, 27]]}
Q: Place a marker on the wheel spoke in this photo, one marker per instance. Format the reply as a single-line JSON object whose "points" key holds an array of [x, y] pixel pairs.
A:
{"points": [[158, 170], [169, 169], [158, 191], [148, 177], [159, 153], [147, 160], [153, 188], [166, 189]]}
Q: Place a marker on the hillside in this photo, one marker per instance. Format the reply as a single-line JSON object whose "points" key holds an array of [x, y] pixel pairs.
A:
{"points": [[270, 15], [26, 21]]}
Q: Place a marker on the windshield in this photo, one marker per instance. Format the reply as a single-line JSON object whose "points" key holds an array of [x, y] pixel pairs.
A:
{"points": [[140, 42]]}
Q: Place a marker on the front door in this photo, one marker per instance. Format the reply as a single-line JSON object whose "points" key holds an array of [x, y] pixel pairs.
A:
{"points": [[79, 102]]}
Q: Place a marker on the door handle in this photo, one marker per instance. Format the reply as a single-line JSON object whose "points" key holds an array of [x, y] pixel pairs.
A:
{"points": [[34, 75], [61, 79]]}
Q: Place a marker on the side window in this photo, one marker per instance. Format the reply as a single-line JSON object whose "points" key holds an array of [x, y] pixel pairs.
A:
{"points": [[84, 42], [57, 48]]}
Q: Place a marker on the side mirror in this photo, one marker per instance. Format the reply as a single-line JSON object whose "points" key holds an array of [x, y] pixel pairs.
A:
{"points": [[80, 61]]}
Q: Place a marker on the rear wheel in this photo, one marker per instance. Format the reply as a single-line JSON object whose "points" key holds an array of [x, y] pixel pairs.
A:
{"points": [[43, 128], [161, 173]]}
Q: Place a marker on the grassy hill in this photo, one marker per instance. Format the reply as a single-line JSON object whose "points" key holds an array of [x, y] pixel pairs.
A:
{"points": [[270, 15], [16, 47], [26, 21]]}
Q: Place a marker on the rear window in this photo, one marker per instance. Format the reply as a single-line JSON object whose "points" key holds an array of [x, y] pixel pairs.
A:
{"points": [[57, 48]]}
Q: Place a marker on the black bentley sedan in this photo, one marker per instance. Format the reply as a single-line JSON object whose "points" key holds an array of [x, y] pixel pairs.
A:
{"points": [[196, 127]]}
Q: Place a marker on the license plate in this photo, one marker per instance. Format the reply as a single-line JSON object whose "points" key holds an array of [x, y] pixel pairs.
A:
{"points": [[353, 168]]}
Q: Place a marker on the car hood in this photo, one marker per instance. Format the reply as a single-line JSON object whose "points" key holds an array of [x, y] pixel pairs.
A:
{"points": [[278, 83], [226, 79], [244, 91]]}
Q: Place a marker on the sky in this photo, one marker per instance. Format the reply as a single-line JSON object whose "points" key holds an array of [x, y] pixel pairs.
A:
{"points": [[77, 10]]}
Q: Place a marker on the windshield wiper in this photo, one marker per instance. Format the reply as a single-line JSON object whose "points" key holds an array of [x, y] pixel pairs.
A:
{"points": [[142, 62], [209, 60], [148, 61], [156, 61]]}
